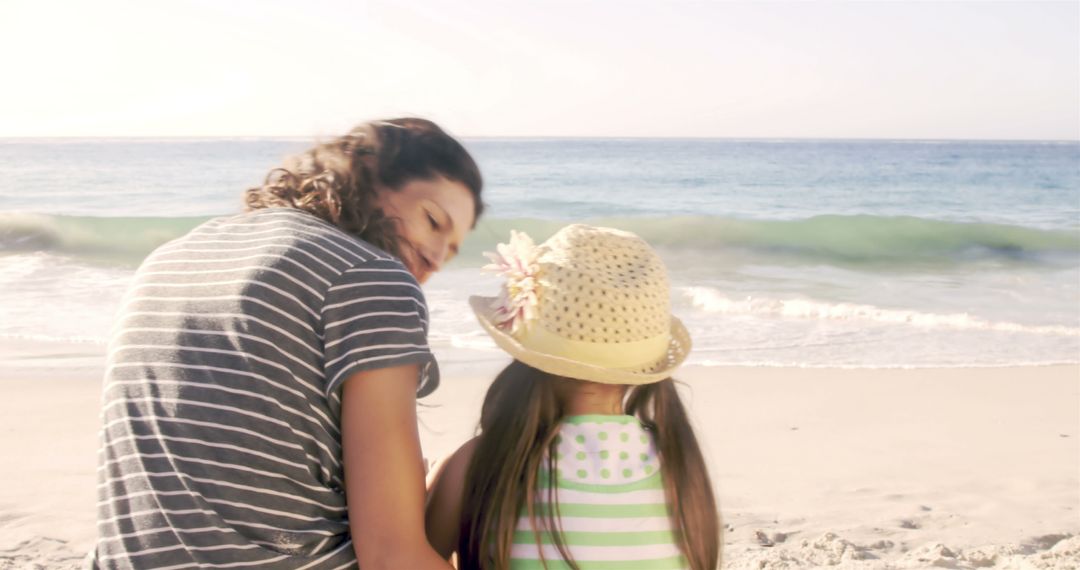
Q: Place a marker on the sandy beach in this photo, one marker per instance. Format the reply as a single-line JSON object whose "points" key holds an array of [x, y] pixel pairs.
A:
{"points": [[867, 213], [860, 468]]}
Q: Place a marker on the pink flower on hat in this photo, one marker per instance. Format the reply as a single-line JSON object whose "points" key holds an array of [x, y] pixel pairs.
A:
{"points": [[515, 307]]}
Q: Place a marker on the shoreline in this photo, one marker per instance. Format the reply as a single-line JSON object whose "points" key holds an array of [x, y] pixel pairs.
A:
{"points": [[867, 468]]}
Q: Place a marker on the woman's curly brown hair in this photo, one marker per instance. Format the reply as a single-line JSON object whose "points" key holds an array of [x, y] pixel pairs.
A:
{"points": [[337, 180]]}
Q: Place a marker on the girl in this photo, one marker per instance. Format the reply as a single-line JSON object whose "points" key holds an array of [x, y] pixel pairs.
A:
{"points": [[259, 403], [585, 458]]}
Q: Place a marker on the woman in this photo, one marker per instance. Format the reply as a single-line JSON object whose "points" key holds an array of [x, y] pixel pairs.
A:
{"points": [[260, 354]]}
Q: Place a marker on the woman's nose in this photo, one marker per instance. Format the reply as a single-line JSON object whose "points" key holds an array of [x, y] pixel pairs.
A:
{"points": [[437, 254]]}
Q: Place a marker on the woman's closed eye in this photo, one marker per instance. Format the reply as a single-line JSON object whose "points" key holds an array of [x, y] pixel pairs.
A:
{"points": [[434, 223]]}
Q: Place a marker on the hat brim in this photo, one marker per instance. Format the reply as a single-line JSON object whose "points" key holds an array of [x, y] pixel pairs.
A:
{"points": [[678, 350]]}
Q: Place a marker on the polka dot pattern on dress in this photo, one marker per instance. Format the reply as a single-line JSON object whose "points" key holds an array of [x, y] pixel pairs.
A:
{"points": [[605, 450]]}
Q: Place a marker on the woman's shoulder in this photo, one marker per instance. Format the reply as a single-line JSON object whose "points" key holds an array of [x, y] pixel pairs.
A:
{"points": [[321, 237], [318, 245]]}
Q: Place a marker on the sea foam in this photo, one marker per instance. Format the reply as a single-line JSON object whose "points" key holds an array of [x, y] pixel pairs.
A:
{"points": [[712, 301]]}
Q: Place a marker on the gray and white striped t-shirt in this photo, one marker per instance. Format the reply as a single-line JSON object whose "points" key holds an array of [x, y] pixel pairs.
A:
{"points": [[220, 443]]}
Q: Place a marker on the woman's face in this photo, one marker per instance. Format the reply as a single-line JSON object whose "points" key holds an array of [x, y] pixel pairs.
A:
{"points": [[434, 216]]}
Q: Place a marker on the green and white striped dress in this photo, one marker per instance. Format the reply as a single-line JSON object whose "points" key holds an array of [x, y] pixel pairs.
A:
{"points": [[612, 506]]}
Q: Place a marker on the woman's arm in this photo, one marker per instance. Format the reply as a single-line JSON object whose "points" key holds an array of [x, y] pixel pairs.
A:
{"points": [[384, 471], [446, 485]]}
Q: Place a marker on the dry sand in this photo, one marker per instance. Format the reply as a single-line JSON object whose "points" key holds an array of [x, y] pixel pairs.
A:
{"points": [[953, 468]]}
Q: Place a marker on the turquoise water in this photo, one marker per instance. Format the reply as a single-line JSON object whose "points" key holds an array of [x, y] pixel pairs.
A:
{"points": [[811, 253]]}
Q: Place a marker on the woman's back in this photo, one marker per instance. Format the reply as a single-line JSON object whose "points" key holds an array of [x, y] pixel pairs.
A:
{"points": [[221, 410]]}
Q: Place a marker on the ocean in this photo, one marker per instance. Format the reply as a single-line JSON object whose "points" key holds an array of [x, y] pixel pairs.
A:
{"points": [[865, 254]]}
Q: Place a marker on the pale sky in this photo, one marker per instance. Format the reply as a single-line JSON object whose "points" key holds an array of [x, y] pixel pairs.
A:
{"points": [[922, 70]]}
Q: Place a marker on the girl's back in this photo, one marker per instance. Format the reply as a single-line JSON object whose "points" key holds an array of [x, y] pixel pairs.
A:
{"points": [[586, 457], [609, 497]]}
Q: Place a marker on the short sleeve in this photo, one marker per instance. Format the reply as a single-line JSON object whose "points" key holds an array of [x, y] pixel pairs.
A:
{"points": [[374, 316]]}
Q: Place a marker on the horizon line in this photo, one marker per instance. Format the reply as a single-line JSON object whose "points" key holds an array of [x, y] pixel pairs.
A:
{"points": [[17, 138]]}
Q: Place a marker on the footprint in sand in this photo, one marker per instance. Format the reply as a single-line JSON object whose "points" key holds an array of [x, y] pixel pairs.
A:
{"points": [[1043, 542], [7, 515]]}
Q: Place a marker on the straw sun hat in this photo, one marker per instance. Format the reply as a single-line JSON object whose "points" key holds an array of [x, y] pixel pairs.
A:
{"points": [[589, 303]]}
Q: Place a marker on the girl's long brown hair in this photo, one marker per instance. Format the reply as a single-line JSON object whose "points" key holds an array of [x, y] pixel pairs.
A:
{"points": [[519, 421], [337, 180]]}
